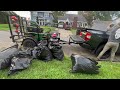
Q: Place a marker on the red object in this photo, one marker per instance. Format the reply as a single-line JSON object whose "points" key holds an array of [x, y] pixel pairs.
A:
{"points": [[75, 22], [17, 31], [17, 25], [14, 18], [64, 25], [54, 35], [87, 36], [80, 33]]}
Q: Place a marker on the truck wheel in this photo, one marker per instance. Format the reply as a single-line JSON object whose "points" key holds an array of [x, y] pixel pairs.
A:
{"points": [[28, 43], [100, 48]]}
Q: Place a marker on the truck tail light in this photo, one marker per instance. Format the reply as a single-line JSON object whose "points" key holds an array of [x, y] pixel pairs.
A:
{"points": [[88, 36]]}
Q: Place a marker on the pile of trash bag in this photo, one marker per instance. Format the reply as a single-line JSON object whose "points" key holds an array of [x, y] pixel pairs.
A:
{"points": [[15, 59], [57, 52], [55, 47], [84, 65], [6, 56], [45, 53], [42, 53], [20, 61]]}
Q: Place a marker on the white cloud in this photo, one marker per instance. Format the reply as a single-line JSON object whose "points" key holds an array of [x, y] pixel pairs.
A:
{"points": [[23, 13]]}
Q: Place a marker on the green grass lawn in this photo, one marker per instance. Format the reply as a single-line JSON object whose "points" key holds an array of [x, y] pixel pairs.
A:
{"points": [[73, 31], [60, 70], [47, 28], [4, 27]]}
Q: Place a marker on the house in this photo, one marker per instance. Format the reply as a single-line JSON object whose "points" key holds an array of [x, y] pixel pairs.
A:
{"points": [[44, 17], [100, 25], [72, 18]]}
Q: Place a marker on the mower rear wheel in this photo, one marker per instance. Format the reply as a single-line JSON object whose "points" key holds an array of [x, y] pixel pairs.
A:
{"points": [[28, 43]]}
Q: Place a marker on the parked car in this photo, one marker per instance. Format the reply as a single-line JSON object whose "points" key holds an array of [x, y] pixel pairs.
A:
{"points": [[60, 25], [95, 40]]}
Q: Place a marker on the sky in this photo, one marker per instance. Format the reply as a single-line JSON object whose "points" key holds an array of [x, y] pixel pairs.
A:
{"points": [[27, 13]]}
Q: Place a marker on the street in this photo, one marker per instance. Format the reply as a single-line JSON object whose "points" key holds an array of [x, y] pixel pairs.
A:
{"points": [[5, 41]]}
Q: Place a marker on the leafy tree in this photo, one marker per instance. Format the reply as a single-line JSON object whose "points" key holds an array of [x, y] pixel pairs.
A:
{"points": [[4, 14], [101, 15], [56, 14]]}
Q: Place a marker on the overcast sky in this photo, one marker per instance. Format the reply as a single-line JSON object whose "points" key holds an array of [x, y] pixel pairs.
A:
{"points": [[27, 13]]}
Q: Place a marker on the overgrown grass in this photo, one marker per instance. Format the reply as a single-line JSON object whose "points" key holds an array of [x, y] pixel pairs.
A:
{"points": [[73, 31], [60, 70], [4, 27]]}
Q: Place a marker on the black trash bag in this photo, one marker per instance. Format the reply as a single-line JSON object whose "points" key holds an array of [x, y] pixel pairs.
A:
{"points": [[45, 54], [35, 52], [20, 62], [6, 56], [57, 52], [84, 65], [42, 53]]}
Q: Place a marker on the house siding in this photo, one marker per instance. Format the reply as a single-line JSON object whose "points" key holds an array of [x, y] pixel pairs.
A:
{"points": [[43, 16], [82, 22]]}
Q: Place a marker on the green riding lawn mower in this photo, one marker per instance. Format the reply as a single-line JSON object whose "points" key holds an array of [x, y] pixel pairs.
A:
{"points": [[29, 33]]}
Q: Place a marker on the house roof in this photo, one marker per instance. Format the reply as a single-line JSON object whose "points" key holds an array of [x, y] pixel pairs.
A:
{"points": [[71, 17], [100, 25]]}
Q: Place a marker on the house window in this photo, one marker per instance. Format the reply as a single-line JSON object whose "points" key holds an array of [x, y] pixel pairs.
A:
{"points": [[46, 14], [85, 24], [40, 14]]}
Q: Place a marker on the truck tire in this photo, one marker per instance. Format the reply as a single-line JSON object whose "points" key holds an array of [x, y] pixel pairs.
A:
{"points": [[29, 43], [100, 48]]}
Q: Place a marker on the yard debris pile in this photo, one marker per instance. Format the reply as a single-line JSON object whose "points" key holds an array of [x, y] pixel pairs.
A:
{"points": [[20, 61], [57, 52], [7, 55], [17, 59], [84, 65], [42, 53], [55, 47]]}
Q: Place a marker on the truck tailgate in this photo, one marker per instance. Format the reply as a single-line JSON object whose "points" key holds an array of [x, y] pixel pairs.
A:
{"points": [[76, 39]]}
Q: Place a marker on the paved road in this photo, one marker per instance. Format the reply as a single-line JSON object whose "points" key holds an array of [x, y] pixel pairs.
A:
{"points": [[5, 41]]}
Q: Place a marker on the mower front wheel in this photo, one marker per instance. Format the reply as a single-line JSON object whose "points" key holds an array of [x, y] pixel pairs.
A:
{"points": [[29, 43]]}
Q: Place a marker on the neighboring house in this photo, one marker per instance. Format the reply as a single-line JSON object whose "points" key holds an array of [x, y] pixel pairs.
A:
{"points": [[81, 21], [45, 17], [100, 25]]}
